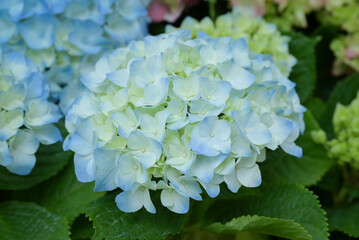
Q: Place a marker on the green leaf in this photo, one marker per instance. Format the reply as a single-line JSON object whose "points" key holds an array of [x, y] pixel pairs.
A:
{"points": [[82, 228], [353, 191], [286, 202], [280, 167], [345, 219], [49, 160], [344, 92], [22, 221], [110, 223], [265, 225], [303, 73], [62, 194], [316, 106]]}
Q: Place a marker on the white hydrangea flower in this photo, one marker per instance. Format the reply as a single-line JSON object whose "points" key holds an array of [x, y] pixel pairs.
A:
{"points": [[176, 114]]}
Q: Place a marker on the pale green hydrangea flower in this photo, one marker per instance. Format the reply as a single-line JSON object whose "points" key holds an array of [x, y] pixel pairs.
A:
{"points": [[345, 145], [346, 49], [238, 24]]}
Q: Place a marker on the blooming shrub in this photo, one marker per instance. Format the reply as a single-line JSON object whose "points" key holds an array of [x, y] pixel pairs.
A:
{"points": [[174, 113], [26, 116], [238, 24]]}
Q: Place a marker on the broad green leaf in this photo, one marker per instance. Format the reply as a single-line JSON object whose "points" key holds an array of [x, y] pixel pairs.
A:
{"points": [[49, 160], [82, 228], [112, 224], [62, 194], [304, 72], [286, 202], [28, 221], [280, 167], [316, 106], [344, 92], [266, 225], [345, 219]]}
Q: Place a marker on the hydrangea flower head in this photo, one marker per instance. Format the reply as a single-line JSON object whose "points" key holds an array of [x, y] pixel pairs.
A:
{"points": [[26, 117], [238, 24], [345, 146], [64, 37], [176, 114], [346, 49]]}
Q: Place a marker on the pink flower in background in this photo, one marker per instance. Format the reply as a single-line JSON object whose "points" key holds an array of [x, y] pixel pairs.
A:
{"points": [[254, 7], [168, 10], [352, 52]]}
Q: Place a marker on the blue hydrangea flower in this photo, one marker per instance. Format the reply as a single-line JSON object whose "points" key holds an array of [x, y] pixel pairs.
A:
{"points": [[65, 38], [26, 116], [180, 115]]}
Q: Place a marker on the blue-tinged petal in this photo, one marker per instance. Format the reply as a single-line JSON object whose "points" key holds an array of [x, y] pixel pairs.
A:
{"points": [[249, 177], [280, 129], [226, 167], [37, 87], [24, 141], [203, 167], [260, 135], [208, 54], [187, 186], [18, 65], [119, 77], [232, 182], [215, 92], [5, 156], [174, 201], [22, 148], [236, 75], [47, 134], [84, 167], [212, 188], [13, 98], [132, 10], [241, 52], [200, 145], [7, 27], [130, 172], [126, 122], [93, 81], [40, 112], [56, 6], [38, 31], [81, 142], [211, 137], [105, 161], [292, 149], [131, 201], [187, 89], [10, 122], [22, 163], [87, 37]]}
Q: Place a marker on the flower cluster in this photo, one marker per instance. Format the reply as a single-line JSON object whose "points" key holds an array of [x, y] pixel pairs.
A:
{"points": [[286, 14], [344, 14], [238, 24], [26, 116], [66, 35], [174, 113], [345, 145]]}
